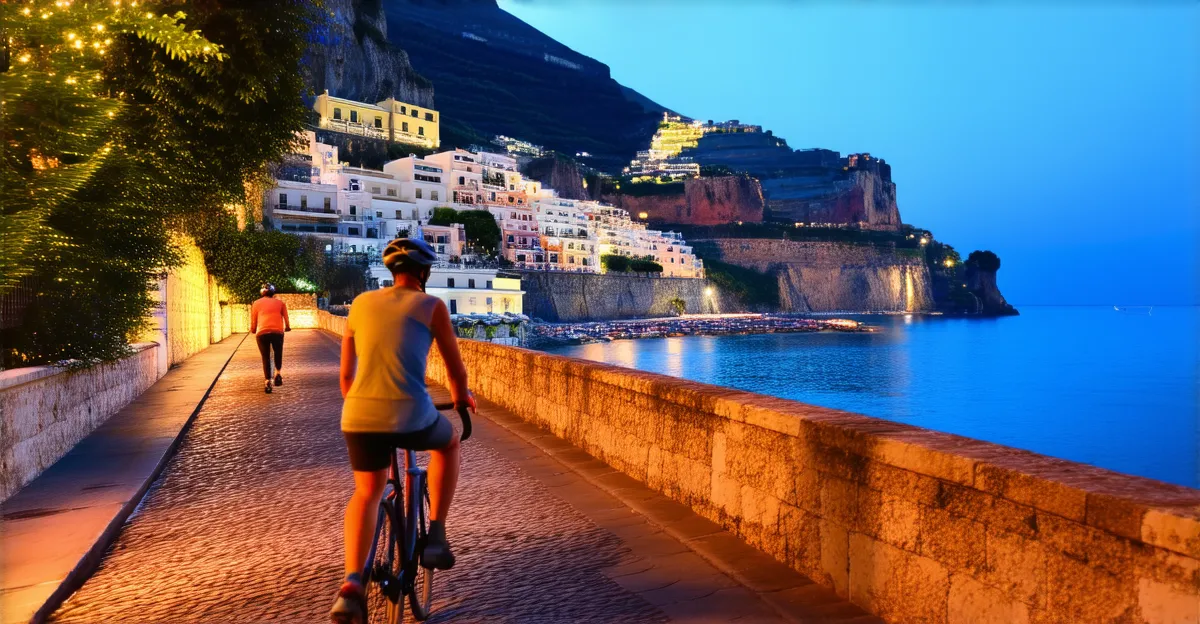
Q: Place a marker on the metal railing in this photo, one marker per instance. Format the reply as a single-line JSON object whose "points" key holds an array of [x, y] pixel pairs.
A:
{"points": [[309, 209]]}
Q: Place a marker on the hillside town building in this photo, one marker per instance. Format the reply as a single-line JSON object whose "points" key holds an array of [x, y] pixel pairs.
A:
{"points": [[390, 120]]}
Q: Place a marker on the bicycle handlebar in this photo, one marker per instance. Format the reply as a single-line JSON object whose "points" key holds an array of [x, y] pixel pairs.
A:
{"points": [[463, 412]]}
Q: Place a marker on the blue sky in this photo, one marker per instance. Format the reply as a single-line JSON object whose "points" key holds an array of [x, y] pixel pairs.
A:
{"points": [[1063, 137]]}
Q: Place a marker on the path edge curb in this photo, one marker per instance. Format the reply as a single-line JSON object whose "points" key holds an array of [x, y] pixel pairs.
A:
{"points": [[91, 559]]}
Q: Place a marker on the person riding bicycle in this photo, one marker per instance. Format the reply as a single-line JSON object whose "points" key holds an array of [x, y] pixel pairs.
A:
{"points": [[385, 350], [268, 322]]}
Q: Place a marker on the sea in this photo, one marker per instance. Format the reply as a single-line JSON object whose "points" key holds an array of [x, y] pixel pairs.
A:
{"points": [[1115, 388]]}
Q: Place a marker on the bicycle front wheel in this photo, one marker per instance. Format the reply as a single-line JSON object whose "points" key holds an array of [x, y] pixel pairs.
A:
{"points": [[420, 600], [381, 575]]}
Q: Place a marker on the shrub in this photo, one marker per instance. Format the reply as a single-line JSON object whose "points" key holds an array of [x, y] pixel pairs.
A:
{"points": [[614, 263], [679, 305], [984, 261]]}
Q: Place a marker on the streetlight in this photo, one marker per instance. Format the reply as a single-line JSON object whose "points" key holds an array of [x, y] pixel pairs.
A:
{"points": [[643, 215], [708, 292]]}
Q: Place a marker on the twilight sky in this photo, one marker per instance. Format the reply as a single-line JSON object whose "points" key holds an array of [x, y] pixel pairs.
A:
{"points": [[1064, 137]]}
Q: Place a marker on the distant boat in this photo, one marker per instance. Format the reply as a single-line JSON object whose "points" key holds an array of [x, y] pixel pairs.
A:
{"points": [[1147, 310]]}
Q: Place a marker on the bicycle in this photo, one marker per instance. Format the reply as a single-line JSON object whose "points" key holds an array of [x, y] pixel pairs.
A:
{"points": [[401, 531]]}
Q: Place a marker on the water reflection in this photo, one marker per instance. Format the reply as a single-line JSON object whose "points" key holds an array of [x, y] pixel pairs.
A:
{"points": [[1086, 384]]}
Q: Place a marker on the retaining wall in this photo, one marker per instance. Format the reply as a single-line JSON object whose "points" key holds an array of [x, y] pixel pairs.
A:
{"points": [[564, 297], [912, 525], [48, 409]]}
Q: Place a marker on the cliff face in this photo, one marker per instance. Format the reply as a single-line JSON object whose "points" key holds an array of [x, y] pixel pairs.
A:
{"points": [[354, 59], [560, 175], [982, 284], [864, 197], [563, 297], [498, 75], [834, 277], [704, 201]]}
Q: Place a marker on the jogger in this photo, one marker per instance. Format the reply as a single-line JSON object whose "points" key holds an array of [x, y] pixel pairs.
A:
{"points": [[268, 321]]}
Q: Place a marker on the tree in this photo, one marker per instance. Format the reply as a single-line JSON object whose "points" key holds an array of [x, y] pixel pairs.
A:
{"points": [[679, 305], [443, 216], [614, 263], [984, 261], [481, 230]]}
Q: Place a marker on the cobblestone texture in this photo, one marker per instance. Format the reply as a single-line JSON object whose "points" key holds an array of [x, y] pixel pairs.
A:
{"points": [[245, 524]]}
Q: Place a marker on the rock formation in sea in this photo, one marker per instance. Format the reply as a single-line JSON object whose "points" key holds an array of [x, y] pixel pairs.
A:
{"points": [[981, 268]]}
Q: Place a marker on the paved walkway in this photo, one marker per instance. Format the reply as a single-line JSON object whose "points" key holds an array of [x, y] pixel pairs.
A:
{"points": [[245, 525]]}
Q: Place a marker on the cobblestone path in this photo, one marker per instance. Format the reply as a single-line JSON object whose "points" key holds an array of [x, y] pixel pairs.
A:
{"points": [[245, 524]]}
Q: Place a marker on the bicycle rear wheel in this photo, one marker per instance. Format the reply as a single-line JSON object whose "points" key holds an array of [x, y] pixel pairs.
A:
{"points": [[420, 600], [380, 577]]}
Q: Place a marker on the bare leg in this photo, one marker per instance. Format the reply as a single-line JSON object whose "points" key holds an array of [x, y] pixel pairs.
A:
{"points": [[443, 479], [361, 516]]}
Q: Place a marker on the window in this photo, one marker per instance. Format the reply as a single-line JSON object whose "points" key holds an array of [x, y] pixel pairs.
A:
{"points": [[462, 180], [489, 304], [449, 282], [414, 113], [353, 210], [489, 286], [372, 233], [520, 257], [454, 306], [471, 284], [510, 199], [510, 239], [378, 214], [433, 195], [418, 193], [428, 116], [554, 258], [571, 259], [352, 231], [421, 130], [391, 192], [353, 116], [283, 200], [303, 202], [403, 110], [374, 190], [337, 113], [404, 126], [328, 204], [398, 215], [378, 121]]}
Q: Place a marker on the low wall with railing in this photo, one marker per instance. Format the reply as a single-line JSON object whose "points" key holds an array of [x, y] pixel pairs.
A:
{"points": [[912, 525], [48, 409]]}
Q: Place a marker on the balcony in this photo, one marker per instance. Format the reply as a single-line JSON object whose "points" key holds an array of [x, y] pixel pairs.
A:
{"points": [[324, 213], [347, 127]]}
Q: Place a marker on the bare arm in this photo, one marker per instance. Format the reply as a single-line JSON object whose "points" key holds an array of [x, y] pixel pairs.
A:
{"points": [[349, 362], [447, 342], [287, 324], [253, 318]]}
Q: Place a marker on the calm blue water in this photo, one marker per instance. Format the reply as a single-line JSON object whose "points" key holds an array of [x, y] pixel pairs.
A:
{"points": [[1086, 384]]}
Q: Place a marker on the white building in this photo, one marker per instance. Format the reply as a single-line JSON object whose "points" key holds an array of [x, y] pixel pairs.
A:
{"points": [[566, 235], [464, 178], [476, 291]]}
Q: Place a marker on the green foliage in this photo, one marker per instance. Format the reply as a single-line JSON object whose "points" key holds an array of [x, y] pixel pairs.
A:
{"points": [[712, 171], [756, 290], [646, 189], [614, 263], [482, 231], [679, 305], [241, 260], [159, 120], [984, 261]]}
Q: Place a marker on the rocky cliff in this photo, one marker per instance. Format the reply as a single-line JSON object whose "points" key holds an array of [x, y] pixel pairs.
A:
{"points": [[702, 201], [563, 297], [833, 277], [862, 197], [559, 174], [980, 274], [353, 58]]}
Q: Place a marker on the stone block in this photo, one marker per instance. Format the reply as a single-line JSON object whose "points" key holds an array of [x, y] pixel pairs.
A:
{"points": [[807, 490], [1089, 545], [911, 454], [1054, 497], [956, 542], [972, 602], [1116, 514], [1161, 603], [897, 586], [888, 518], [1176, 530], [1017, 566], [1078, 592], [834, 570], [839, 500], [903, 484]]}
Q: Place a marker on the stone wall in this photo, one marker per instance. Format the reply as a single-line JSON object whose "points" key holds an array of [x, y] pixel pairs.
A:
{"points": [[302, 310], [565, 297], [913, 525], [834, 277], [48, 409]]}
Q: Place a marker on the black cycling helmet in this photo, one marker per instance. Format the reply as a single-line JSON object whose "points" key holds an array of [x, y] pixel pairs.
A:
{"points": [[267, 290], [408, 252]]}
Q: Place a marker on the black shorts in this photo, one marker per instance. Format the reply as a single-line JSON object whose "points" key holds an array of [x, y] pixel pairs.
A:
{"points": [[373, 451]]}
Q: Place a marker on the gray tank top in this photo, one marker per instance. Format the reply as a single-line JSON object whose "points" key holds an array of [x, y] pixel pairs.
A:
{"points": [[392, 336]]}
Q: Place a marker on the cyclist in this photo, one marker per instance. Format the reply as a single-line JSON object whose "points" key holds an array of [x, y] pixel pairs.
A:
{"points": [[384, 353], [268, 321]]}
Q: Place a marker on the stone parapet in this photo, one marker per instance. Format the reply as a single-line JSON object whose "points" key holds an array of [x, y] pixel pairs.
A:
{"points": [[913, 525], [46, 410]]}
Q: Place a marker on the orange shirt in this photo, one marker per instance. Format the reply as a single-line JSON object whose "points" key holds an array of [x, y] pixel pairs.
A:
{"points": [[268, 315]]}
